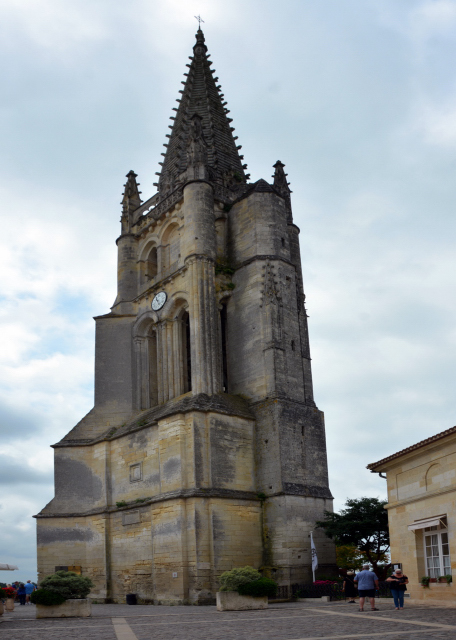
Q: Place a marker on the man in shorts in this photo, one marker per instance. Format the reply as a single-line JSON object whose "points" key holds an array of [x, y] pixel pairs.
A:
{"points": [[29, 589], [367, 583]]}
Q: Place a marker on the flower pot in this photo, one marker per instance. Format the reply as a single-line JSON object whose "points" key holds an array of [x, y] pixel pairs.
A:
{"points": [[9, 604], [73, 608], [433, 580], [442, 579], [232, 601]]}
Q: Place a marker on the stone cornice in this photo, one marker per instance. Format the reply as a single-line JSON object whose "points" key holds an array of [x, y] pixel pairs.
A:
{"points": [[423, 496], [169, 495]]}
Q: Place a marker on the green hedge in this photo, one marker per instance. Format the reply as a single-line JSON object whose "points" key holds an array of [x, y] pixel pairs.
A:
{"points": [[259, 588], [46, 597], [68, 584], [230, 580]]}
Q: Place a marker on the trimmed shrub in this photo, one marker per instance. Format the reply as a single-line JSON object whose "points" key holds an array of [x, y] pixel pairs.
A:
{"points": [[46, 597], [259, 588], [231, 580], [68, 584]]}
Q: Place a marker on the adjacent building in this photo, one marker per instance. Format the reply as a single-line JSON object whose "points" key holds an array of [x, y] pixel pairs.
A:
{"points": [[422, 514], [205, 449]]}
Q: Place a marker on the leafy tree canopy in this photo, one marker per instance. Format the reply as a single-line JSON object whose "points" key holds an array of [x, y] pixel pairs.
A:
{"points": [[362, 524]]}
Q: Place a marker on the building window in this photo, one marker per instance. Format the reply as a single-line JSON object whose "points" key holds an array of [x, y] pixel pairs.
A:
{"points": [[223, 326], [135, 472], [437, 552]]}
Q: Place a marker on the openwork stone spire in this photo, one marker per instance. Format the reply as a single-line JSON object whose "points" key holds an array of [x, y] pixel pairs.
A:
{"points": [[131, 199], [281, 185], [201, 136]]}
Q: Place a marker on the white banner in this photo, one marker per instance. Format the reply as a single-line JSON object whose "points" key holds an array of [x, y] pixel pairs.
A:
{"points": [[313, 552]]}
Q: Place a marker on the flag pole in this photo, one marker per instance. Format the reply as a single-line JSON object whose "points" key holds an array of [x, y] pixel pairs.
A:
{"points": [[313, 570]]}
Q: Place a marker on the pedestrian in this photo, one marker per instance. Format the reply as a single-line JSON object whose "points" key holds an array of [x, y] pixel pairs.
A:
{"points": [[29, 588], [367, 583], [21, 593], [396, 583], [349, 586]]}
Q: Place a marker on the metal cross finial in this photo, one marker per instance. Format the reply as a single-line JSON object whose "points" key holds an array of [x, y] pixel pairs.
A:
{"points": [[200, 20]]}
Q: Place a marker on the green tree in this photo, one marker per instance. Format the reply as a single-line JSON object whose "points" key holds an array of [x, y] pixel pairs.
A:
{"points": [[362, 524]]}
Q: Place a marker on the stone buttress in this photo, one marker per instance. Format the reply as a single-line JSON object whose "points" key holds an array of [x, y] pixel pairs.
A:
{"points": [[205, 449]]}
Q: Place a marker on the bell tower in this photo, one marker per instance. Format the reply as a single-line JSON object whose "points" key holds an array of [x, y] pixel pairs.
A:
{"points": [[205, 449]]}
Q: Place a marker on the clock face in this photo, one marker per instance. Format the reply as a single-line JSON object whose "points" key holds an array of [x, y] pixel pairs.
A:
{"points": [[159, 300]]}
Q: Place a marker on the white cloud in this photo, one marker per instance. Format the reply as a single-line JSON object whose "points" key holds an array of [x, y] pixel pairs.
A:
{"points": [[435, 18], [436, 123], [54, 26]]}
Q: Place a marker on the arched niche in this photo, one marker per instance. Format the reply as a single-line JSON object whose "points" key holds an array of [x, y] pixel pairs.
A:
{"points": [[163, 356], [149, 262], [170, 247], [433, 474], [145, 338]]}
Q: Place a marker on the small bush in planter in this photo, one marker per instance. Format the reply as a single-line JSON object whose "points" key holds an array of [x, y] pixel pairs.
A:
{"points": [[425, 581], [68, 584], [231, 580], [46, 597], [259, 588]]}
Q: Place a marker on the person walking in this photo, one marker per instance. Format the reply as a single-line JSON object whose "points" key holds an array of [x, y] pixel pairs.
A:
{"points": [[29, 589], [367, 583], [396, 583], [349, 587], [21, 593]]}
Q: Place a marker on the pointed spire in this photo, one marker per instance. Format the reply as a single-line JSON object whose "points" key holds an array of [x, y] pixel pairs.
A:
{"points": [[281, 185], [201, 133], [131, 200]]}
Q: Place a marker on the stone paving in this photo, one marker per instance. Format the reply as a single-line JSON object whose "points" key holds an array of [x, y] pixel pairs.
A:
{"points": [[310, 620]]}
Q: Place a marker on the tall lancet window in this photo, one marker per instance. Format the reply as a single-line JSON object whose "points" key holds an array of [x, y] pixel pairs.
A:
{"points": [[153, 369], [223, 334], [147, 368], [185, 353], [170, 248], [151, 264]]}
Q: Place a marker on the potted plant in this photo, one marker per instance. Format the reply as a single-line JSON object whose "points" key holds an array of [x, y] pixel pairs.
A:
{"points": [[448, 578], [9, 594], [63, 595], [244, 588], [425, 580]]}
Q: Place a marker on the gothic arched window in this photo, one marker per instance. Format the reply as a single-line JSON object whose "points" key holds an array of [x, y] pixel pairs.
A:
{"points": [[185, 356], [170, 248]]}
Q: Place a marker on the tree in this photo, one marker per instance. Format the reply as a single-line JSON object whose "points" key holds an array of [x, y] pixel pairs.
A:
{"points": [[362, 524]]}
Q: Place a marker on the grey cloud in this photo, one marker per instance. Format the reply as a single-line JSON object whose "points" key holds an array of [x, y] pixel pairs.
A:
{"points": [[17, 472]]}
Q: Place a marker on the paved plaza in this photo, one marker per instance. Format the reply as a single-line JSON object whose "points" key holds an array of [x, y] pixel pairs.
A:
{"points": [[288, 621]]}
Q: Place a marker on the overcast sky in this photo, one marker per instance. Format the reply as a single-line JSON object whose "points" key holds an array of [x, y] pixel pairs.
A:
{"points": [[356, 97]]}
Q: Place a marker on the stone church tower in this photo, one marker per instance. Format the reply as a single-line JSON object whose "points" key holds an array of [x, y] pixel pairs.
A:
{"points": [[205, 449]]}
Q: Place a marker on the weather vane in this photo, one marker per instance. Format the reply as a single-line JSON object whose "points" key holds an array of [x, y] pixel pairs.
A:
{"points": [[200, 20]]}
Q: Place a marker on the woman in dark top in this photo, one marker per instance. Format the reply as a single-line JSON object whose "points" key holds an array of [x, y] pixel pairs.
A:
{"points": [[396, 583], [349, 587]]}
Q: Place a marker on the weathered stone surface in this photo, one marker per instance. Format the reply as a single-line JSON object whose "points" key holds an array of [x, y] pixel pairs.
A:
{"points": [[205, 449], [232, 601], [69, 609]]}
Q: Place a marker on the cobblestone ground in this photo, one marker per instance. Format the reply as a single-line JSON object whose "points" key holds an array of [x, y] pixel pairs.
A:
{"points": [[309, 620]]}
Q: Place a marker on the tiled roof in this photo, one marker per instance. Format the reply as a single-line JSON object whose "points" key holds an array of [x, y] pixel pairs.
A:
{"points": [[414, 447], [202, 96]]}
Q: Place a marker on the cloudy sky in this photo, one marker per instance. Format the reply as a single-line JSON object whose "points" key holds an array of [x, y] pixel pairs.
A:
{"points": [[357, 97]]}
